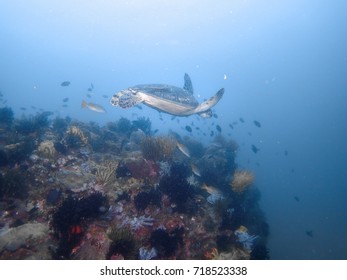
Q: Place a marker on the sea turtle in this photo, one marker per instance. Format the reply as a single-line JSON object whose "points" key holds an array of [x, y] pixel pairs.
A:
{"points": [[166, 98]]}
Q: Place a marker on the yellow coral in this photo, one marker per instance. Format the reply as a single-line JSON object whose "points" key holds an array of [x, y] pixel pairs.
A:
{"points": [[46, 148], [158, 148], [76, 131], [242, 179]]}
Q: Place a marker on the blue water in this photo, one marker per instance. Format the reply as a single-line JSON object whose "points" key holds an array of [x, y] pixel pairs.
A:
{"points": [[282, 63]]}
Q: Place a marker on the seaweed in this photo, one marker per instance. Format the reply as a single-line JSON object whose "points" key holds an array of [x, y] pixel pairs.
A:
{"points": [[142, 123], [32, 124], [6, 117], [60, 125], [13, 184]]}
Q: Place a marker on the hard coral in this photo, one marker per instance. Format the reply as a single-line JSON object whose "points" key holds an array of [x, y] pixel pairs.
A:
{"points": [[242, 179]]}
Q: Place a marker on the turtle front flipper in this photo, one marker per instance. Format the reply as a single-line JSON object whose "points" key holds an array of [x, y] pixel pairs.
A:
{"points": [[126, 98]]}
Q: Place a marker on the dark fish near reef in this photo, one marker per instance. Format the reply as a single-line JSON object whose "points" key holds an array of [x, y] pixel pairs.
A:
{"points": [[89, 95], [105, 96], [94, 107], [309, 233], [255, 149], [212, 133], [188, 128], [256, 123], [231, 126], [23, 108], [242, 120], [215, 116], [297, 198], [66, 99], [65, 84], [218, 128], [286, 153]]}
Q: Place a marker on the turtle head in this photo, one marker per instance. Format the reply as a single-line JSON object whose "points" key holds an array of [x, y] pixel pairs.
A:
{"points": [[126, 98]]}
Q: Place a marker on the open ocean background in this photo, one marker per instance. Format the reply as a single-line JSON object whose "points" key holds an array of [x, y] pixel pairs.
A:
{"points": [[282, 63]]}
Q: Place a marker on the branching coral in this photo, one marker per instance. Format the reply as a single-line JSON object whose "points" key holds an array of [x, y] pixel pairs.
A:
{"points": [[158, 148], [242, 179], [46, 148]]}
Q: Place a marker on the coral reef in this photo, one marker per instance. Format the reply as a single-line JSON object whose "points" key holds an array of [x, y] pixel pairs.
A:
{"points": [[144, 124], [245, 238], [117, 192], [166, 243], [77, 132], [13, 184], [47, 149], [6, 117], [106, 173], [158, 148], [68, 220], [123, 244], [137, 223], [242, 179], [147, 254]]}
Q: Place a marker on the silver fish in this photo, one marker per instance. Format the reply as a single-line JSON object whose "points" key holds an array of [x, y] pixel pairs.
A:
{"points": [[183, 149], [93, 107]]}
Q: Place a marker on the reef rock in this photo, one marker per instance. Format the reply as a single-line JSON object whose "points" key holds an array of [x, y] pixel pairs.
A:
{"points": [[25, 235]]}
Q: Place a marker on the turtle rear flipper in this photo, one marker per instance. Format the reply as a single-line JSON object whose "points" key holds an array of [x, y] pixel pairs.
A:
{"points": [[126, 99], [204, 109]]}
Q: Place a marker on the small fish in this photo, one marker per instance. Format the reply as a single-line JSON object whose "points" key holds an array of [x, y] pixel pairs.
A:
{"points": [[215, 116], [195, 170], [188, 128], [33, 107], [218, 128], [89, 95], [256, 123], [90, 89], [297, 198], [23, 108], [66, 99], [155, 131], [65, 84], [210, 189], [309, 233], [94, 107], [183, 149], [65, 105], [242, 120], [173, 117], [255, 149], [105, 96], [231, 126], [286, 153], [212, 133], [138, 107]]}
